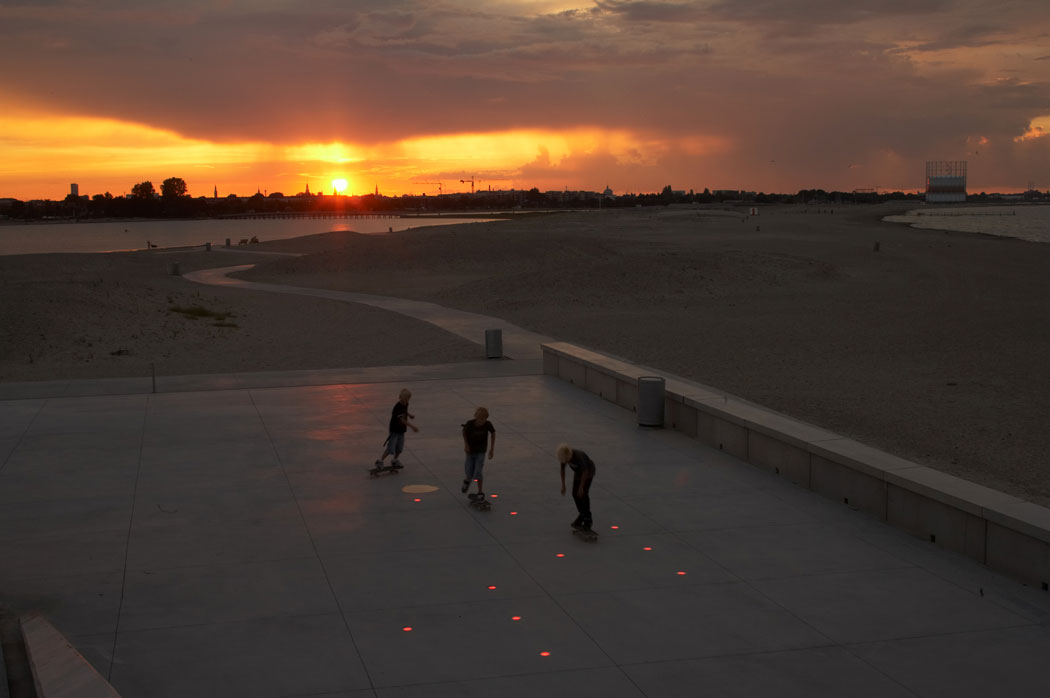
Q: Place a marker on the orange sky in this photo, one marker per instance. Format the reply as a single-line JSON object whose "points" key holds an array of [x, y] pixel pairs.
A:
{"points": [[769, 95]]}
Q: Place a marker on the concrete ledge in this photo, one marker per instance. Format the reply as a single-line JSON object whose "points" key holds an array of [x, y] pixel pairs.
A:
{"points": [[999, 530], [59, 671]]}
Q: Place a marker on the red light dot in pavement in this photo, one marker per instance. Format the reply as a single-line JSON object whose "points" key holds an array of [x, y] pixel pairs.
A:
{"points": [[417, 499], [681, 574], [513, 513], [492, 587], [561, 555], [515, 617], [407, 629], [614, 527], [494, 496], [646, 549], [545, 654]]}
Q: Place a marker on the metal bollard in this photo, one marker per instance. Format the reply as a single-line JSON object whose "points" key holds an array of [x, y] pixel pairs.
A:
{"points": [[650, 401], [175, 269], [493, 344], [207, 247], [227, 242]]}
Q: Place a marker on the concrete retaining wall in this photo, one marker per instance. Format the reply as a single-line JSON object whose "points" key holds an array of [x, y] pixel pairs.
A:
{"points": [[59, 671], [1001, 531]]}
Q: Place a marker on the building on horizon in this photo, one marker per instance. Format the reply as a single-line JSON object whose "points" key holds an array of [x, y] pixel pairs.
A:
{"points": [[945, 181], [74, 190]]}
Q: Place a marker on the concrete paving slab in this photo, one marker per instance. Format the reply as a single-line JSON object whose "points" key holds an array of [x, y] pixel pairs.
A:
{"points": [[690, 621], [706, 511], [943, 666], [178, 543], [605, 682], [821, 671], [197, 595], [32, 555], [339, 533], [216, 506], [97, 649], [16, 416], [852, 607], [770, 552], [467, 641], [238, 547], [569, 565], [265, 657], [59, 517], [80, 604], [70, 453], [385, 580]]}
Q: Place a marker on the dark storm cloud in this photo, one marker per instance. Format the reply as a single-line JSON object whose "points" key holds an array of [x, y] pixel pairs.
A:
{"points": [[816, 85], [825, 11], [638, 11], [968, 36]]}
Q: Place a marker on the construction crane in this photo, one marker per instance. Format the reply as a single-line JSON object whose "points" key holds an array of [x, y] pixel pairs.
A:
{"points": [[471, 180], [440, 191]]}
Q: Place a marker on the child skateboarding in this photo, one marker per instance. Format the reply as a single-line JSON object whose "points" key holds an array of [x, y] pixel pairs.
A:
{"points": [[475, 439], [399, 424], [583, 470]]}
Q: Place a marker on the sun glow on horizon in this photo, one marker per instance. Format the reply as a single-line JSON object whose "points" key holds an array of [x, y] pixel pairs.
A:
{"points": [[43, 153]]}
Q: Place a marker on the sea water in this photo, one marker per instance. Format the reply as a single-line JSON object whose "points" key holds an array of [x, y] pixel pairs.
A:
{"points": [[1027, 222], [113, 236]]}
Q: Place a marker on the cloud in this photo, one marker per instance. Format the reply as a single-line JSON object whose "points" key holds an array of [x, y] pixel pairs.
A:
{"points": [[815, 85]]}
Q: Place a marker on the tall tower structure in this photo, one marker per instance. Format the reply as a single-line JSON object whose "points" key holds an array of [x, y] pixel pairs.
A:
{"points": [[945, 181], [74, 190]]}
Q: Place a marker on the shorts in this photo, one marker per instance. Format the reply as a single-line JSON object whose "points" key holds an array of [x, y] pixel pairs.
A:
{"points": [[473, 465], [395, 444]]}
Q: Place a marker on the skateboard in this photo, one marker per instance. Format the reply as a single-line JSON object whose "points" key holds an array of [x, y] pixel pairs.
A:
{"points": [[375, 470], [588, 535], [479, 502]]}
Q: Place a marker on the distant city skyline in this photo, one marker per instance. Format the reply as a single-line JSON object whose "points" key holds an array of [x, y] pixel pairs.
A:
{"points": [[763, 95]]}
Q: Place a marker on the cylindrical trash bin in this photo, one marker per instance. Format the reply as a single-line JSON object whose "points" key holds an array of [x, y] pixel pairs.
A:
{"points": [[207, 247], [493, 344], [227, 242], [175, 269], [650, 401]]}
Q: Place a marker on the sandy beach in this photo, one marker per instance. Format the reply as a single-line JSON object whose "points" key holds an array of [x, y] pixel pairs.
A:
{"points": [[933, 348]]}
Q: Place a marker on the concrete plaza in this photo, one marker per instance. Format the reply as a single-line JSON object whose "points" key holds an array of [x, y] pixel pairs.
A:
{"points": [[225, 539]]}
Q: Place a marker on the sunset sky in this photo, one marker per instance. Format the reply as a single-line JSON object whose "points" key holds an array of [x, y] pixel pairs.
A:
{"points": [[768, 95]]}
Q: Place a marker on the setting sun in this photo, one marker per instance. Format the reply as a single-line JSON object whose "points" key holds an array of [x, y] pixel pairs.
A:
{"points": [[339, 185]]}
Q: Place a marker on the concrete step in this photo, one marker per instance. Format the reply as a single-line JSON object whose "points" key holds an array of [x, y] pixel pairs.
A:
{"points": [[16, 677]]}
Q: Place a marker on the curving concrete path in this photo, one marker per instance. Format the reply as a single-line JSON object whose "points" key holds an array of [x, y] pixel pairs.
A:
{"points": [[518, 343]]}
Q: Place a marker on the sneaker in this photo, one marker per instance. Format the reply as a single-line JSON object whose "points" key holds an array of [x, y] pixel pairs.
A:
{"points": [[576, 523], [379, 463], [396, 464], [585, 526], [465, 487]]}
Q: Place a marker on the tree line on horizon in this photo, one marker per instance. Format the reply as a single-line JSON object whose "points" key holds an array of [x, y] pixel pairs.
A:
{"points": [[174, 201]]}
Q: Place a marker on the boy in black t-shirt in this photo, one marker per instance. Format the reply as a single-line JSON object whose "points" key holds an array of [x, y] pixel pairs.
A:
{"points": [[399, 424], [583, 470], [475, 438]]}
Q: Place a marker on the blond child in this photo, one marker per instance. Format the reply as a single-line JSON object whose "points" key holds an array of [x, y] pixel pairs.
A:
{"points": [[583, 470], [399, 424]]}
